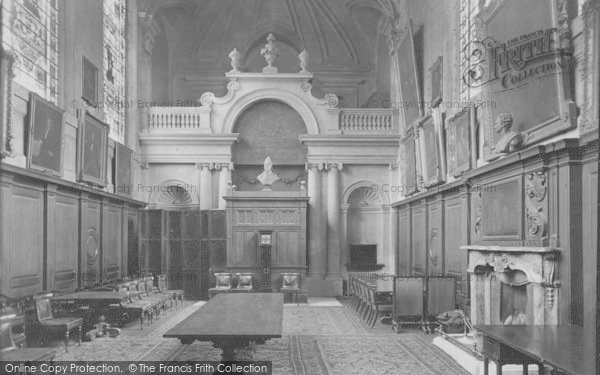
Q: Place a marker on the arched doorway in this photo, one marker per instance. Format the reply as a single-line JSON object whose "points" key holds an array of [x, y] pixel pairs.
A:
{"points": [[269, 128], [364, 238]]}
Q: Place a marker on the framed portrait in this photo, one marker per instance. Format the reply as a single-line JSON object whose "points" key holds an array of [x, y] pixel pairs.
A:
{"points": [[412, 108], [409, 159], [92, 144], [46, 125], [89, 82], [430, 157], [459, 141], [122, 170], [437, 82]]}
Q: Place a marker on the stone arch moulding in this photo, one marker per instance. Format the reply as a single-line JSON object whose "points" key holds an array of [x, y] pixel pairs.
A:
{"points": [[155, 194], [244, 102], [383, 198]]}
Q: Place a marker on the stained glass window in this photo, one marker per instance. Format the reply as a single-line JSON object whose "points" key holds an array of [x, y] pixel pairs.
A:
{"points": [[29, 29], [114, 67], [467, 12]]}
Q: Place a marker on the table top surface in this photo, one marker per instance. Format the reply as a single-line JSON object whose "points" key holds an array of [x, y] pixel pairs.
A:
{"points": [[247, 316], [89, 295], [566, 347]]}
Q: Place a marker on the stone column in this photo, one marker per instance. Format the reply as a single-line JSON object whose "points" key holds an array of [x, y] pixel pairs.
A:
{"points": [[205, 186], [317, 247], [333, 220], [224, 179], [132, 112]]}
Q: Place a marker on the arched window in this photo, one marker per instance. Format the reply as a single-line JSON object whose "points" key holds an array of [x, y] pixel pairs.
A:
{"points": [[115, 13], [30, 28]]}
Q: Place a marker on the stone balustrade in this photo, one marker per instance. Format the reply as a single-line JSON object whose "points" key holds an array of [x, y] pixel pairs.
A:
{"points": [[351, 121], [159, 119], [375, 121]]}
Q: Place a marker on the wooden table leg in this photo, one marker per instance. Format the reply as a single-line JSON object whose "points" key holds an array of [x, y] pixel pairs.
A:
{"points": [[498, 368], [486, 363], [526, 368]]}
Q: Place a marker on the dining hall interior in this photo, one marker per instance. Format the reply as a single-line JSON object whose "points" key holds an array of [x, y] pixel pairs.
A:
{"points": [[324, 186]]}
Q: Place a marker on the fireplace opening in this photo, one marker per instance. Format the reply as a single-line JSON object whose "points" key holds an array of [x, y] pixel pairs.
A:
{"points": [[363, 258], [513, 304]]}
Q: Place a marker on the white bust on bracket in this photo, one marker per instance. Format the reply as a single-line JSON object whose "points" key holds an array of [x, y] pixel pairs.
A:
{"points": [[268, 177]]}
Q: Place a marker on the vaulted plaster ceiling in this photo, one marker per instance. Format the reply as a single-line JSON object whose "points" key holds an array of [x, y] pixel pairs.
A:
{"points": [[342, 37], [338, 34]]}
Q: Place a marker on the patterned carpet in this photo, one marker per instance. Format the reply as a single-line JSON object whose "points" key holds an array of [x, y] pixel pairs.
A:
{"points": [[318, 340]]}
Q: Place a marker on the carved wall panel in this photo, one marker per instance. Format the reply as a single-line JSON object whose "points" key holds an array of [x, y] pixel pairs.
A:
{"points": [[90, 243], [535, 90], [536, 208]]}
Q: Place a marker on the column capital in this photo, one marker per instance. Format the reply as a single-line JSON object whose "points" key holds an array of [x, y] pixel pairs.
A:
{"points": [[338, 166], [318, 165], [208, 165], [222, 166]]}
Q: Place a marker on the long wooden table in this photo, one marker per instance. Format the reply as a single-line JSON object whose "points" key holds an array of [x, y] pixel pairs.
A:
{"points": [[568, 350], [233, 321], [95, 297], [98, 302]]}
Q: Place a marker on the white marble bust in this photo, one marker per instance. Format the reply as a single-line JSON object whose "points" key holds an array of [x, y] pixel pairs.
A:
{"points": [[267, 178]]}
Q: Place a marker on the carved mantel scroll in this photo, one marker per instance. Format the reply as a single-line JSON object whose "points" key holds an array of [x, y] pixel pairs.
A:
{"points": [[535, 267]]}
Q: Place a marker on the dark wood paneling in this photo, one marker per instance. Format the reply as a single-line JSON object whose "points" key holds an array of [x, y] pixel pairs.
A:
{"points": [[26, 241], [89, 249], [404, 242], [419, 240], [63, 260], [590, 241], [435, 238], [111, 243]]}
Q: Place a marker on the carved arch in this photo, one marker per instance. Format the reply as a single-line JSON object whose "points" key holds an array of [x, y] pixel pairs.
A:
{"points": [[288, 98], [367, 185]]}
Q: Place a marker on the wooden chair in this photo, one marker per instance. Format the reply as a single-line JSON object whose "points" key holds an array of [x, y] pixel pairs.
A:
{"points": [[290, 284], [222, 284], [10, 352], [244, 281], [47, 321], [154, 295], [176, 293], [137, 306]]}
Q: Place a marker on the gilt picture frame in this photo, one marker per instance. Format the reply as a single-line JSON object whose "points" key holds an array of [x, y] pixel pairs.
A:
{"points": [[459, 128], [89, 82], [430, 156], [412, 108], [45, 136], [92, 148], [122, 170], [437, 82]]}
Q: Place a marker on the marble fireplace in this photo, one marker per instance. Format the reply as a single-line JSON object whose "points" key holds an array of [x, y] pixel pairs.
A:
{"points": [[513, 285]]}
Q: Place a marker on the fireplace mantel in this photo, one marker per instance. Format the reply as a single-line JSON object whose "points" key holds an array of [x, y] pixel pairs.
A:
{"points": [[532, 266], [538, 263]]}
